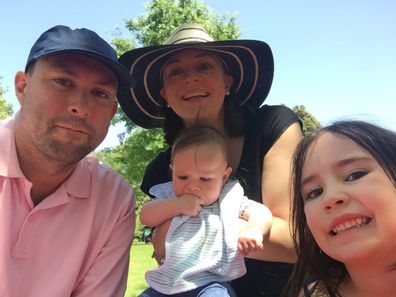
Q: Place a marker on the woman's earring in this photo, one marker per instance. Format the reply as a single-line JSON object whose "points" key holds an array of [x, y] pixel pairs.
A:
{"points": [[227, 92], [167, 105]]}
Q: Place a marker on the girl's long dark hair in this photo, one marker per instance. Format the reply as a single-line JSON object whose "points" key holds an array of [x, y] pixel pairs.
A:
{"points": [[312, 262]]}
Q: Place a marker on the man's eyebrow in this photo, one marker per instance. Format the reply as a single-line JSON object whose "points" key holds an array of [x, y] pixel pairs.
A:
{"points": [[59, 66], [106, 80]]}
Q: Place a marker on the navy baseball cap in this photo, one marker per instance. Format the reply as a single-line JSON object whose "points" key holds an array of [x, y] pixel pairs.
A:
{"points": [[62, 39]]}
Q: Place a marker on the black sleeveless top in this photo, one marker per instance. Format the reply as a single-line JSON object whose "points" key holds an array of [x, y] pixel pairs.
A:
{"points": [[263, 129]]}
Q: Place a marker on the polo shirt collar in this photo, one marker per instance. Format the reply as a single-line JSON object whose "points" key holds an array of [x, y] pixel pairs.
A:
{"points": [[77, 185]]}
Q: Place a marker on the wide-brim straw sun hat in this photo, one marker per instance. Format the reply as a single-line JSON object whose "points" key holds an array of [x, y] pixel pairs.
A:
{"points": [[250, 63]]}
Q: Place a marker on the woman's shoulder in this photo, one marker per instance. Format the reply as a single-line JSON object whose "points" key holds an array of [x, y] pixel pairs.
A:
{"points": [[280, 114], [269, 122], [156, 172]]}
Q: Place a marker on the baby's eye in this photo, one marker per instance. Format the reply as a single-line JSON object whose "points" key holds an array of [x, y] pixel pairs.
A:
{"points": [[312, 194], [205, 179], [356, 175], [182, 177]]}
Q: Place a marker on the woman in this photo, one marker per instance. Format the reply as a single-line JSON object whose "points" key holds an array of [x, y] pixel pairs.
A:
{"points": [[192, 79], [344, 212]]}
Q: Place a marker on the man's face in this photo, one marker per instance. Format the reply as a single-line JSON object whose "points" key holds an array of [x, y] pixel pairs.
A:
{"points": [[67, 102]]}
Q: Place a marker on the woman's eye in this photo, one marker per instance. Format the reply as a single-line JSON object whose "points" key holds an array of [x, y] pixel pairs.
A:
{"points": [[205, 67], [175, 72], [356, 175], [313, 194]]}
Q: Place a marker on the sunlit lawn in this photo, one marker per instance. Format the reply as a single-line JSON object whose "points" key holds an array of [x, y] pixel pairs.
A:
{"points": [[140, 262]]}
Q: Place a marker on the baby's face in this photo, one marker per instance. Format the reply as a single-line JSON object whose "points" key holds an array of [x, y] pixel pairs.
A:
{"points": [[201, 171]]}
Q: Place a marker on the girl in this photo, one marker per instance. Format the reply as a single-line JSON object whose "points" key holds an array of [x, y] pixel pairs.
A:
{"points": [[344, 212]]}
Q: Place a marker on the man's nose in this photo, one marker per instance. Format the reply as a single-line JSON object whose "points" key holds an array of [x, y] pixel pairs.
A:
{"points": [[79, 106]]}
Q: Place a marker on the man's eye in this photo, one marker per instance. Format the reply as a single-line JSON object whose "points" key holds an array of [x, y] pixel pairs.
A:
{"points": [[356, 175], [313, 194], [100, 94], [62, 81]]}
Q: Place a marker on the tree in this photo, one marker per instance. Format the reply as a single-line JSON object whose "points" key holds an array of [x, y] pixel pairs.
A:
{"points": [[5, 108], [310, 123]]}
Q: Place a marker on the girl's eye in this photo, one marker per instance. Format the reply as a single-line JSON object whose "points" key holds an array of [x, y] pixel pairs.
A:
{"points": [[356, 175], [312, 194]]}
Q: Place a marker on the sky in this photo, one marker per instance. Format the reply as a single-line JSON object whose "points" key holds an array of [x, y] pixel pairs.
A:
{"points": [[337, 58]]}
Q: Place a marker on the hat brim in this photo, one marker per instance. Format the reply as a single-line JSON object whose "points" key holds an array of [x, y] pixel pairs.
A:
{"points": [[250, 62]]}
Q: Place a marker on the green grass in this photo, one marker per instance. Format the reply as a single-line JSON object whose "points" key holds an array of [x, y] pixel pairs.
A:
{"points": [[140, 262]]}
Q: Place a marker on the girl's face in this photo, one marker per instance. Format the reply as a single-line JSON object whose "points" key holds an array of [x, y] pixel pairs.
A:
{"points": [[349, 201], [200, 170], [194, 86]]}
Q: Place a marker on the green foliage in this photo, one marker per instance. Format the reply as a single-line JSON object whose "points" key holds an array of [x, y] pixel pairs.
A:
{"points": [[5, 107], [310, 123], [163, 16]]}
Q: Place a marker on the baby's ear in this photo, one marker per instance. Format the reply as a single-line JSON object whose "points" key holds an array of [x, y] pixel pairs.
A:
{"points": [[227, 174]]}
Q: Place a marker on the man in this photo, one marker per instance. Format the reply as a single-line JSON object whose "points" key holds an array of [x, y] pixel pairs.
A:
{"points": [[66, 221]]}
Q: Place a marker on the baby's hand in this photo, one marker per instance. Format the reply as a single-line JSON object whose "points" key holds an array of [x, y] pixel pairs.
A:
{"points": [[189, 204], [250, 240]]}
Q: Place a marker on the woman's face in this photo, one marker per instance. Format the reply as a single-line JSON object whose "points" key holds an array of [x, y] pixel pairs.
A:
{"points": [[194, 86], [349, 202]]}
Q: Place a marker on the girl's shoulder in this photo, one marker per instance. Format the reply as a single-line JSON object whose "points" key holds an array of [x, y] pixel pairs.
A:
{"points": [[315, 289]]}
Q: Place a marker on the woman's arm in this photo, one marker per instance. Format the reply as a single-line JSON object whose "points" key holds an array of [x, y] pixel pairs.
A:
{"points": [[276, 195]]}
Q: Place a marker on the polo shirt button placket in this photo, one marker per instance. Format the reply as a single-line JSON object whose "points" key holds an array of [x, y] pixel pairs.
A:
{"points": [[25, 237]]}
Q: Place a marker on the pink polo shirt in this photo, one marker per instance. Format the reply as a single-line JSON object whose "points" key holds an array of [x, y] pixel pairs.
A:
{"points": [[75, 242]]}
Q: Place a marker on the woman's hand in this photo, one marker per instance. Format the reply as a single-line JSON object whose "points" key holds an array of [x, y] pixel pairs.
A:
{"points": [[158, 241]]}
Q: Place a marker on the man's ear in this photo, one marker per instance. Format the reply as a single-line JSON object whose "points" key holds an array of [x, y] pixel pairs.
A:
{"points": [[21, 85]]}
